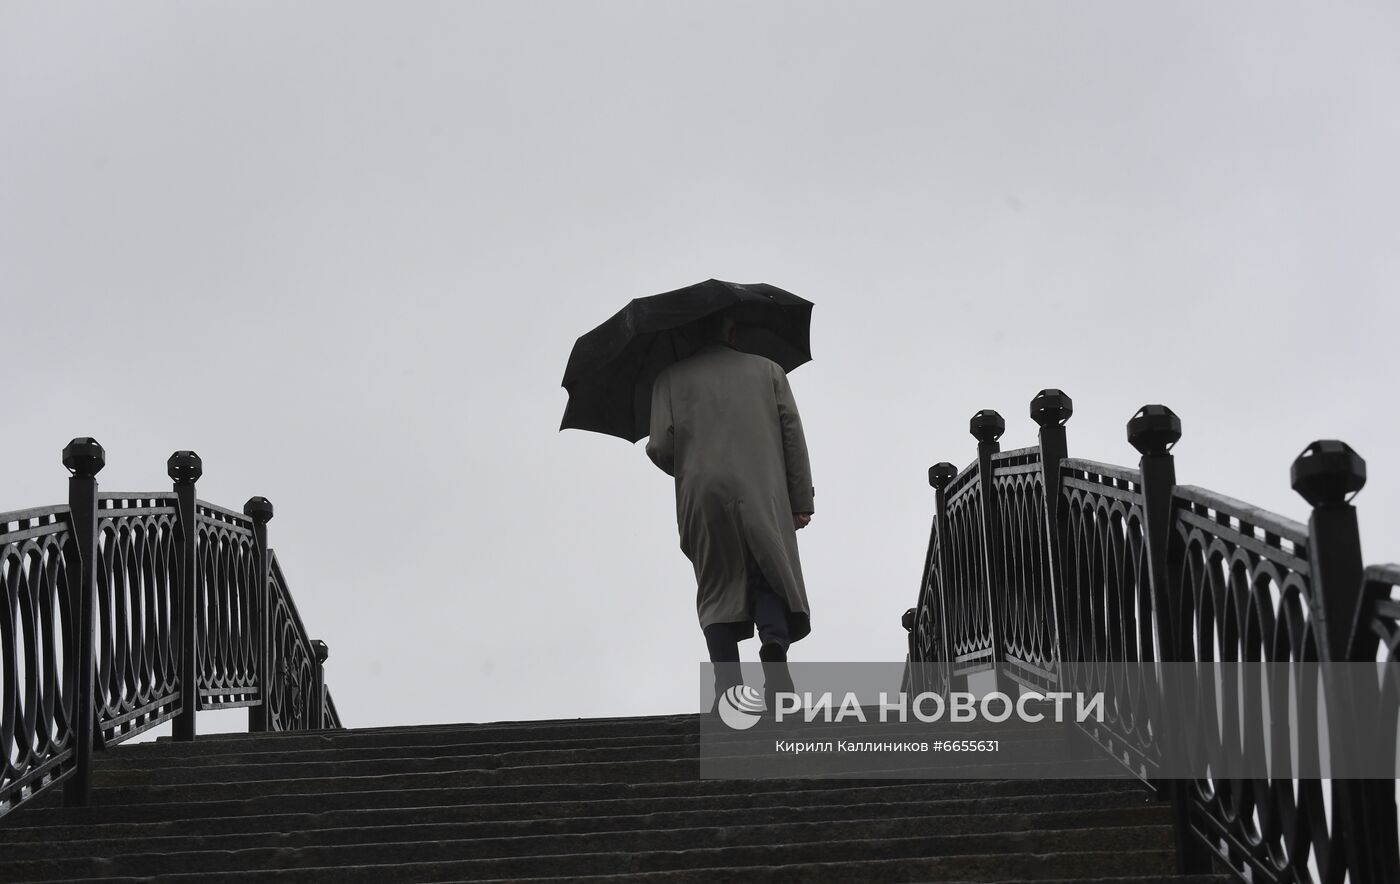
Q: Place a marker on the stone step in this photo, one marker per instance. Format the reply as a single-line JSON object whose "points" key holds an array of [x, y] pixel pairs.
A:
{"points": [[579, 799], [592, 853], [842, 873], [675, 772], [595, 815], [729, 827], [698, 867], [835, 873]]}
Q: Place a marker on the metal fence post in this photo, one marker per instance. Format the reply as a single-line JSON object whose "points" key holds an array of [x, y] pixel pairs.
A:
{"points": [[986, 427], [84, 459], [1328, 474], [259, 509], [318, 693], [1051, 409], [939, 475], [907, 682], [184, 469], [1153, 431]]}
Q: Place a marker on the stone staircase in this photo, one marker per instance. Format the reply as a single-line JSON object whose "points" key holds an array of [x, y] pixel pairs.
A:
{"points": [[594, 799]]}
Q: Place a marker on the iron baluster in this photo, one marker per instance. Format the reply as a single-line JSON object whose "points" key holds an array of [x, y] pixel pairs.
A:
{"points": [[259, 509], [986, 427], [316, 719], [84, 458], [939, 475], [184, 469], [1051, 409]]}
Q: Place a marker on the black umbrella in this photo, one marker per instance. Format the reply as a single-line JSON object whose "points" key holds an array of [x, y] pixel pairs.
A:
{"points": [[611, 368]]}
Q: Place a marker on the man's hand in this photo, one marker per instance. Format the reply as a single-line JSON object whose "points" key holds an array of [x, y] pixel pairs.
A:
{"points": [[800, 520]]}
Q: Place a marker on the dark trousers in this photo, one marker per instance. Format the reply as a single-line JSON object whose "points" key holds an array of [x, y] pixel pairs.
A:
{"points": [[768, 613]]}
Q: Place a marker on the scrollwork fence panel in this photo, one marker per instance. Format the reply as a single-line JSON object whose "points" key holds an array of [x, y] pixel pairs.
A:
{"points": [[927, 634], [137, 680], [927, 623], [1028, 627], [293, 684], [38, 574], [967, 610], [228, 599], [1246, 596], [1108, 618]]}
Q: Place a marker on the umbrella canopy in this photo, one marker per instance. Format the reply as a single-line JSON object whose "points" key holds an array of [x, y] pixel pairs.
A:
{"points": [[611, 368]]}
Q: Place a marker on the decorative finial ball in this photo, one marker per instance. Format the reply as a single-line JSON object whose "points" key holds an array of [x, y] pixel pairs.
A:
{"points": [[987, 425], [259, 509], [1051, 407], [941, 473], [84, 457], [908, 619], [1154, 430], [1328, 472], [322, 650], [184, 467]]}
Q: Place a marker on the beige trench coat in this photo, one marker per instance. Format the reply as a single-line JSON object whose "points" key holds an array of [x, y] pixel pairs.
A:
{"points": [[725, 425]]}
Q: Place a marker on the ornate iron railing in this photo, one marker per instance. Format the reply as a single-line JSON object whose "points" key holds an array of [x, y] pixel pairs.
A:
{"points": [[102, 596], [296, 688], [228, 598], [971, 632], [39, 571], [1087, 570], [138, 683]]}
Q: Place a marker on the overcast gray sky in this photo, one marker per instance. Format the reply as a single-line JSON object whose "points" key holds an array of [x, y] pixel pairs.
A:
{"points": [[342, 250]]}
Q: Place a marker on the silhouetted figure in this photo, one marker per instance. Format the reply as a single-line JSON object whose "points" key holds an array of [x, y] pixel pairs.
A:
{"points": [[725, 425]]}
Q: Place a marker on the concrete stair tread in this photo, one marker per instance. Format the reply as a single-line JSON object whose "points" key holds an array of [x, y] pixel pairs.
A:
{"points": [[581, 799], [831, 872], [837, 873], [505, 814], [602, 773], [1138, 867], [421, 789], [1135, 850], [739, 828], [561, 765]]}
